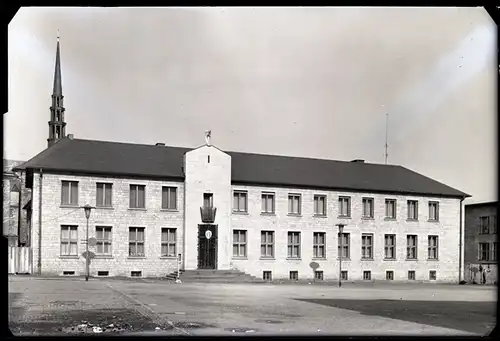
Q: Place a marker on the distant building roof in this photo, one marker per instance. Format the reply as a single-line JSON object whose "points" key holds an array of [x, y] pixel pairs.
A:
{"points": [[478, 204], [127, 159]]}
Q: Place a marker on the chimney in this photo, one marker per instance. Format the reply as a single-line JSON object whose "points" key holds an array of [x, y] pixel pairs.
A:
{"points": [[70, 136], [160, 144], [358, 161]]}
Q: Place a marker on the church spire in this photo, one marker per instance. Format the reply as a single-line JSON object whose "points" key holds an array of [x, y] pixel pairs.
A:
{"points": [[57, 126]]}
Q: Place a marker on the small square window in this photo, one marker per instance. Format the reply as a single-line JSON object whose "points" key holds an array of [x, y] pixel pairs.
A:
{"points": [[389, 275], [411, 275], [318, 275], [367, 275], [294, 275], [432, 275], [102, 273], [267, 276], [343, 275]]}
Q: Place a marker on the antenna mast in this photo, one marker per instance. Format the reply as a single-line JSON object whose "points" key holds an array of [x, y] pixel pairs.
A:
{"points": [[386, 132]]}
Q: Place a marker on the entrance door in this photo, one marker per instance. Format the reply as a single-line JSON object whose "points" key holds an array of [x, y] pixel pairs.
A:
{"points": [[207, 247]]}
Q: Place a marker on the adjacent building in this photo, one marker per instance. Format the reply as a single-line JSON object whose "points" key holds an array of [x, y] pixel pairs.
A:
{"points": [[481, 243], [269, 216]]}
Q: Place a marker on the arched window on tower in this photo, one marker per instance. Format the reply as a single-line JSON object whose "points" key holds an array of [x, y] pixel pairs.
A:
{"points": [[58, 132]]}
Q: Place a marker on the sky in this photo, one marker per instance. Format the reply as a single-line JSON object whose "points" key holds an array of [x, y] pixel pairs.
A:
{"points": [[308, 82]]}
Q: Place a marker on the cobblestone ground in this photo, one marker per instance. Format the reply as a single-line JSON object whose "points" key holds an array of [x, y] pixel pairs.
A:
{"points": [[54, 306]]}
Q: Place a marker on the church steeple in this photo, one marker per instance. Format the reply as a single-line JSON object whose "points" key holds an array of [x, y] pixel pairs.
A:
{"points": [[57, 126]]}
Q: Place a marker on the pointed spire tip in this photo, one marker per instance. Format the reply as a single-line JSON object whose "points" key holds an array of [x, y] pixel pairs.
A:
{"points": [[57, 35]]}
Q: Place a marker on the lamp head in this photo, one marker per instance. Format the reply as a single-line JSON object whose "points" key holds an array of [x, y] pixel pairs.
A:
{"points": [[87, 209]]}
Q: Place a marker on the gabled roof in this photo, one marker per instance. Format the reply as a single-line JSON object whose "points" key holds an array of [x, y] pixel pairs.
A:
{"points": [[127, 159]]}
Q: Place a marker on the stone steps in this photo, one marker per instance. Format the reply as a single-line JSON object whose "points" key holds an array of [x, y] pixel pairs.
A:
{"points": [[214, 276]]}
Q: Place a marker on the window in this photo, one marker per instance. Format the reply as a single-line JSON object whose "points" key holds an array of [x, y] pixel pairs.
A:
{"points": [[433, 211], [136, 242], [411, 247], [267, 244], [494, 251], [343, 275], [294, 204], [319, 245], [344, 241], [239, 201], [432, 275], [484, 252], [390, 246], [293, 244], [412, 210], [389, 275], [344, 206], [294, 275], [104, 192], [411, 275], [318, 275], [208, 200], [69, 193], [267, 202], [390, 208], [137, 196], [169, 198], [135, 273], [367, 246], [69, 240], [168, 242], [320, 205], [433, 247], [367, 275], [102, 273], [103, 236], [267, 276], [484, 225], [367, 207], [493, 224], [239, 243]]}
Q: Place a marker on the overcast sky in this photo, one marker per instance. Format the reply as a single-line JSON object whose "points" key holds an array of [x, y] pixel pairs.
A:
{"points": [[312, 82]]}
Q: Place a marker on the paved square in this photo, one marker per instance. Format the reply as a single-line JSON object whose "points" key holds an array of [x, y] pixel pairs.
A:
{"points": [[71, 305]]}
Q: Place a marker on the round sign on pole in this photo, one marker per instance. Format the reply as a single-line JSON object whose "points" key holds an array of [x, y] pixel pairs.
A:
{"points": [[208, 234], [92, 241]]}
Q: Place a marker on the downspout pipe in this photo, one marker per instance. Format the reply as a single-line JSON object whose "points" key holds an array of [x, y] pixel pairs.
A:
{"points": [[40, 224], [460, 244]]}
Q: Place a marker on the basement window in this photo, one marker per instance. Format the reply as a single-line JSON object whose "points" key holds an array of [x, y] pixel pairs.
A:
{"points": [[432, 275], [102, 273], [367, 275], [294, 275], [344, 275], [389, 275], [68, 273], [136, 274], [318, 275], [267, 275]]}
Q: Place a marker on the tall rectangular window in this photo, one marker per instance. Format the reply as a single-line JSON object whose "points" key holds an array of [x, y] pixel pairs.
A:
{"points": [[494, 224], [136, 242], [267, 244], [390, 208], [294, 204], [433, 247], [344, 206], [239, 201], [433, 211], [411, 247], [104, 194], [494, 250], [484, 225], [69, 193], [368, 207], [343, 247], [267, 202], [484, 252], [168, 242], [169, 198], [208, 200], [320, 205], [69, 240], [239, 243], [293, 244], [412, 210], [319, 245], [390, 246], [137, 196], [103, 236], [367, 246]]}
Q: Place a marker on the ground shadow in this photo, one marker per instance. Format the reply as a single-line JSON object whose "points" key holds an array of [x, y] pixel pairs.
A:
{"points": [[473, 317]]}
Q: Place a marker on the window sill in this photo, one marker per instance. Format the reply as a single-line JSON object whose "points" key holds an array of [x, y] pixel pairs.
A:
{"points": [[293, 258], [103, 257], [272, 214], [344, 259], [136, 257], [240, 212], [432, 221], [367, 259], [367, 218], [390, 259], [137, 209], [344, 217], [169, 257], [69, 206], [69, 257], [240, 258], [267, 258], [411, 259], [319, 258], [320, 216], [105, 208], [433, 259], [390, 219], [412, 220], [169, 210], [298, 215]]}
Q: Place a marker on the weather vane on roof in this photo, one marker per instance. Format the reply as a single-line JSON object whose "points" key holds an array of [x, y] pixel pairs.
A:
{"points": [[57, 34], [208, 135]]}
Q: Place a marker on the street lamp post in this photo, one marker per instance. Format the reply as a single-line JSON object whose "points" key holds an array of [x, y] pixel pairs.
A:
{"points": [[341, 230], [87, 208]]}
